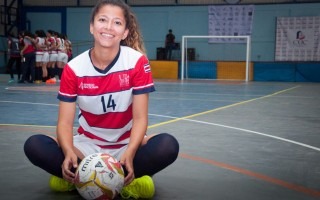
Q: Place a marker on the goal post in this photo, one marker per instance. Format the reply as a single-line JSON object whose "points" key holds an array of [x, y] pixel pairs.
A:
{"points": [[184, 55]]}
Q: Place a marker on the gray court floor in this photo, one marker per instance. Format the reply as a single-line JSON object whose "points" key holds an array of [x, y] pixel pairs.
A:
{"points": [[238, 140]]}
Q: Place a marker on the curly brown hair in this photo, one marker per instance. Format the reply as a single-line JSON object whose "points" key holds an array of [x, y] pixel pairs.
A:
{"points": [[134, 38]]}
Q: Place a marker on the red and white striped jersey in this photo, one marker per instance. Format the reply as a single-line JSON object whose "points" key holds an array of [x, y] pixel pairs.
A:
{"points": [[105, 96], [52, 42], [40, 44]]}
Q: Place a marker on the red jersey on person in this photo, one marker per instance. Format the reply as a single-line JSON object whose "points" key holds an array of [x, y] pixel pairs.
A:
{"points": [[30, 48], [105, 96], [52, 42]]}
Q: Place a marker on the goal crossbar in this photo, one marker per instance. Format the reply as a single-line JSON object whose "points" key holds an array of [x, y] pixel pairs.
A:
{"points": [[184, 47]]}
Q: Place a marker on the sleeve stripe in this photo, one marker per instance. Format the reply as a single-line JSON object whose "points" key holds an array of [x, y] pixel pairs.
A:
{"points": [[144, 86], [69, 95], [66, 99], [144, 91]]}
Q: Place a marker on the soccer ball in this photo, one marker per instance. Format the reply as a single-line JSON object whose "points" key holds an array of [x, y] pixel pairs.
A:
{"points": [[99, 176]]}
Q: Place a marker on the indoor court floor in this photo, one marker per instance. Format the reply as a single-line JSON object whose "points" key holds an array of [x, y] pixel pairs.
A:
{"points": [[238, 140]]}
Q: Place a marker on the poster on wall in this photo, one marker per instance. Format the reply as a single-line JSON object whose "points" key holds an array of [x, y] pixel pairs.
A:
{"points": [[297, 39], [231, 20]]}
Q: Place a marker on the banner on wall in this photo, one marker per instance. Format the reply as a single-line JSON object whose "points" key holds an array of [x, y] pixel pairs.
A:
{"points": [[298, 39], [233, 20]]}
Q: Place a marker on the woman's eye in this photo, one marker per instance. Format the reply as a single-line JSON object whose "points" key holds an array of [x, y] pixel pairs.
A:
{"points": [[101, 20], [118, 23]]}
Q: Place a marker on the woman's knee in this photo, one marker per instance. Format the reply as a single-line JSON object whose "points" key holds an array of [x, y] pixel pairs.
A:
{"points": [[173, 142], [171, 145], [34, 145], [31, 142]]}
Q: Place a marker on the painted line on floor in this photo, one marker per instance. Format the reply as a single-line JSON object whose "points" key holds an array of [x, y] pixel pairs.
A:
{"points": [[245, 130], [229, 167], [279, 182], [221, 108], [263, 177], [30, 103], [259, 176], [175, 119]]}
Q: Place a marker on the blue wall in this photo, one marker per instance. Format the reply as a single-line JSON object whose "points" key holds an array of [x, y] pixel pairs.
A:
{"points": [[286, 71], [188, 20], [184, 20]]}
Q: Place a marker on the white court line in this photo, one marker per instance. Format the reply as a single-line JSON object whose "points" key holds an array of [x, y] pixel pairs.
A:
{"points": [[189, 99], [208, 123], [187, 118], [21, 102], [241, 129]]}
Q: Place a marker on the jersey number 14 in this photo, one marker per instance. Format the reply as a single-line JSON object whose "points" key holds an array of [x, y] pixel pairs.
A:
{"points": [[110, 104]]}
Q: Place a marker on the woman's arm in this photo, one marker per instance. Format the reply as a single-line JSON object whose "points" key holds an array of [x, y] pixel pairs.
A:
{"points": [[65, 125], [140, 121], [65, 138], [138, 131]]}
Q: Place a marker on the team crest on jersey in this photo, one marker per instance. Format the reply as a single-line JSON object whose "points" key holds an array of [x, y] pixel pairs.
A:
{"points": [[87, 86], [124, 80]]}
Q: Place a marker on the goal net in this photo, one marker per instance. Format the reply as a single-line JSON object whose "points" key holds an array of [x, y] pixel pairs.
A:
{"points": [[227, 59]]}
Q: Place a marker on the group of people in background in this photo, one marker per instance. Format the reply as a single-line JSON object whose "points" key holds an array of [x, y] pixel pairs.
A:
{"points": [[39, 57]]}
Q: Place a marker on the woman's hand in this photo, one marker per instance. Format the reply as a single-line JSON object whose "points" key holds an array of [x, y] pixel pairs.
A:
{"points": [[70, 163], [127, 163]]}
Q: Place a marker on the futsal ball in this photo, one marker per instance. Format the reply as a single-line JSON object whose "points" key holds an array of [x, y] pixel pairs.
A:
{"points": [[99, 176]]}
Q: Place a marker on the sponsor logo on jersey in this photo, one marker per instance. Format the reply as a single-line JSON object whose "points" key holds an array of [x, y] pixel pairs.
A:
{"points": [[87, 86]]}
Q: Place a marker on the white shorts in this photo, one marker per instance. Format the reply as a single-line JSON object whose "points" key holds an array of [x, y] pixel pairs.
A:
{"points": [[45, 57], [86, 146], [62, 57], [53, 57], [39, 55]]}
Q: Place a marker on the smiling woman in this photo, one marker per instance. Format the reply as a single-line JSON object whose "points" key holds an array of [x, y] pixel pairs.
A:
{"points": [[108, 28], [110, 84]]}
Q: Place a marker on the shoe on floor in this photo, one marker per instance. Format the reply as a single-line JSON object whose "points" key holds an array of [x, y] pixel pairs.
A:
{"points": [[11, 80], [142, 187], [51, 81], [60, 185]]}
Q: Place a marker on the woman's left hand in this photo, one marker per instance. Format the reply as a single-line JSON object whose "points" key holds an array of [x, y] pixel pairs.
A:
{"points": [[127, 162]]}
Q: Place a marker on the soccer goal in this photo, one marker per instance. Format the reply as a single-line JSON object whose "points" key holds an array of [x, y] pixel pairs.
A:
{"points": [[230, 54]]}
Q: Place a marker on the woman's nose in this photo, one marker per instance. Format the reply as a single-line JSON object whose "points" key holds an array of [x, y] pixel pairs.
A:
{"points": [[108, 25]]}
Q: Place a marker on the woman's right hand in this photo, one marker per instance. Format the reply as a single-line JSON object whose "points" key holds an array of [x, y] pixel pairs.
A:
{"points": [[69, 165]]}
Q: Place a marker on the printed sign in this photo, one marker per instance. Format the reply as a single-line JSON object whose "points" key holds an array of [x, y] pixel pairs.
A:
{"points": [[297, 39], [233, 20]]}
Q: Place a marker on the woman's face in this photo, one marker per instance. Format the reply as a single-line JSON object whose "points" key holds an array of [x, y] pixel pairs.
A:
{"points": [[109, 27]]}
